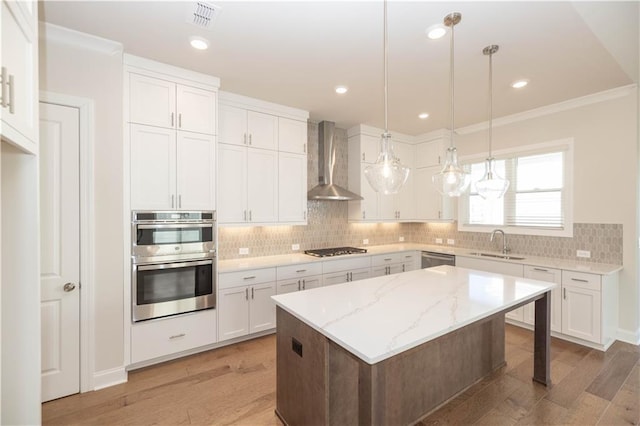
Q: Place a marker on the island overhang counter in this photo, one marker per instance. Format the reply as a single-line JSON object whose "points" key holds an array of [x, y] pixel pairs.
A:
{"points": [[388, 350]]}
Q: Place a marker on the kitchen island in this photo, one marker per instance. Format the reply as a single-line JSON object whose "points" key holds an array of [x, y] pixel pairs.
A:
{"points": [[388, 350]]}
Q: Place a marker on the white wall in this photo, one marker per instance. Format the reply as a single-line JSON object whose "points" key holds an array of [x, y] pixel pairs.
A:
{"points": [[91, 70], [605, 174]]}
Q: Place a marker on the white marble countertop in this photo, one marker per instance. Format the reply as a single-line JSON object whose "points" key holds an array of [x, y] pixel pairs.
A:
{"points": [[380, 317], [232, 265]]}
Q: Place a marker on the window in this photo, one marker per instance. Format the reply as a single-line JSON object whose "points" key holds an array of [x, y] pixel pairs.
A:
{"points": [[538, 200]]}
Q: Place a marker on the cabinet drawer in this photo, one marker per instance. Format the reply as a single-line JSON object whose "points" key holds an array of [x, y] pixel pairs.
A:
{"points": [[346, 264], [301, 270], [248, 277], [581, 279], [386, 259], [167, 336]]}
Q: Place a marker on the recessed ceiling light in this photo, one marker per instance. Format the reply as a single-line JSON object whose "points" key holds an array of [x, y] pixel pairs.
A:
{"points": [[423, 116], [435, 32], [519, 84], [199, 43], [341, 90]]}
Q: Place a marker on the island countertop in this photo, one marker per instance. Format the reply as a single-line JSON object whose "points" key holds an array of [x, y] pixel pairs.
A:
{"points": [[380, 317]]}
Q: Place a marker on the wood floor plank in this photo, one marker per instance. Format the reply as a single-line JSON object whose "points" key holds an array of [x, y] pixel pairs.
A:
{"points": [[544, 413], [625, 406], [587, 409], [611, 378], [495, 418]]}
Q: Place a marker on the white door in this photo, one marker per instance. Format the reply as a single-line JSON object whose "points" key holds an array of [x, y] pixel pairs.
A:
{"points": [[263, 130], [232, 185], [292, 187], [262, 309], [312, 282], [233, 312], [232, 125], [292, 136], [196, 109], [581, 313], [59, 250], [152, 101], [262, 185]]}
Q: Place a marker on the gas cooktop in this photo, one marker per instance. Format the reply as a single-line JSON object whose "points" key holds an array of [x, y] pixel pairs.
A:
{"points": [[336, 251]]}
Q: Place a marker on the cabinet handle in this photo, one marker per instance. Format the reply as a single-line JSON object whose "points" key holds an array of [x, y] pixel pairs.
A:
{"points": [[252, 293], [180, 201], [304, 215], [363, 156], [249, 215], [403, 268], [408, 256], [171, 119], [173, 199], [12, 101], [3, 83], [388, 259], [299, 271], [245, 215], [579, 280], [177, 336], [564, 293], [251, 277], [541, 269], [304, 148], [245, 139], [298, 285], [250, 138], [246, 294], [364, 214], [180, 120], [439, 214], [304, 285]]}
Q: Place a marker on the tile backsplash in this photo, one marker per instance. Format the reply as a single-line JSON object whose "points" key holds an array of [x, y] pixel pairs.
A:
{"points": [[328, 226]]}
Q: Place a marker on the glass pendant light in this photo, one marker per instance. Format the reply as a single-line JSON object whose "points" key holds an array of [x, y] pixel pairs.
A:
{"points": [[452, 180], [491, 186], [387, 175]]}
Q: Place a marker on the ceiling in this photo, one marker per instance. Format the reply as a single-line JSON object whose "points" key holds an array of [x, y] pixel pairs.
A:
{"points": [[294, 53]]}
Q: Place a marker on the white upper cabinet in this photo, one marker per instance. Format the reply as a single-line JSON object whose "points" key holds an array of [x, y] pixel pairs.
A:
{"points": [[430, 153], [19, 74], [172, 116], [171, 170], [239, 126], [430, 205], [262, 162], [292, 136], [164, 103]]}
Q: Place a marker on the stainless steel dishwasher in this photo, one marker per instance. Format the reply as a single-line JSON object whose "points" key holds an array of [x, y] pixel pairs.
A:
{"points": [[431, 259]]}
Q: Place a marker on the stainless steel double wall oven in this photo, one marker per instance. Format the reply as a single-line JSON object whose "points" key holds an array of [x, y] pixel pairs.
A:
{"points": [[173, 262]]}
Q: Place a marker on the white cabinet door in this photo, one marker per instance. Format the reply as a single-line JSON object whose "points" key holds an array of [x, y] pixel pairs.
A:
{"points": [[549, 275], [232, 128], [233, 312], [288, 286], [292, 187], [430, 205], [335, 278], [195, 171], [378, 271], [311, 282], [232, 187], [262, 309], [369, 207], [262, 185], [430, 154], [19, 61], [581, 313], [153, 174], [196, 109], [263, 130], [369, 148], [292, 136], [405, 201], [152, 101], [360, 274]]}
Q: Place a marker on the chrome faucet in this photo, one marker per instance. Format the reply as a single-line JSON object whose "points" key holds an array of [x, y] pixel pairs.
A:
{"points": [[505, 249]]}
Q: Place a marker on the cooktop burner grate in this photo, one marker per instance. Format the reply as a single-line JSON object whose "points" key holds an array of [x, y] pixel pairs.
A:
{"points": [[336, 251]]}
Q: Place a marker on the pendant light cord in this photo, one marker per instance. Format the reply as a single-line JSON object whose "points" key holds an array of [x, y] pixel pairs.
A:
{"points": [[490, 100], [451, 82], [386, 54]]}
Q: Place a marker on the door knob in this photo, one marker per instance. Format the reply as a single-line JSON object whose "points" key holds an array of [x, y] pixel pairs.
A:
{"points": [[69, 287]]}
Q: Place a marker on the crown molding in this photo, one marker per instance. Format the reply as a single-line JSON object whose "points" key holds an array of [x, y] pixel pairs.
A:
{"points": [[57, 34], [363, 129], [594, 98], [245, 102]]}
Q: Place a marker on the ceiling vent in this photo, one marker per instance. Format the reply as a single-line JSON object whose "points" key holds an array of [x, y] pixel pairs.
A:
{"points": [[203, 14]]}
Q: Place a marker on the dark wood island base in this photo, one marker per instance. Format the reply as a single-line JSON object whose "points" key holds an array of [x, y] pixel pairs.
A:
{"points": [[321, 383]]}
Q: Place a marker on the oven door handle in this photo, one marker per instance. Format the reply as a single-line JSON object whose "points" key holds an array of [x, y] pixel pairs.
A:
{"points": [[173, 265], [175, 225]]}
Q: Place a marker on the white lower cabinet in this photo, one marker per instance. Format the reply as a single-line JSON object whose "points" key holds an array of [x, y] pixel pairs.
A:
{"points": [[345, 276], [244, 302], [392, 263], [581, 306], [346, 270], [166, 336], [299, 277]]}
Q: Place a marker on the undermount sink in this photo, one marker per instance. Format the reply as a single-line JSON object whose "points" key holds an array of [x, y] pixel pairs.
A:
{"points": [[499, 256]]}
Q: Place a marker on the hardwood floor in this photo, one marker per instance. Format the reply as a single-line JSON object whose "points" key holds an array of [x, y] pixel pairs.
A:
{"points": [[236, 385]]}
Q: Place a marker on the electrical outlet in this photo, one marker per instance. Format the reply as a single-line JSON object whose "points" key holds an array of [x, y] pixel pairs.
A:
{"points": [[295, 247], [583, 253], [365, 241], [451, 241], [401, 239], [244, 250], [438, 240]]}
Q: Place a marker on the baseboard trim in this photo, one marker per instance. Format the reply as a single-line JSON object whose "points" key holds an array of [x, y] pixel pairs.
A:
{"points": [[628, 336], [104, 379]]}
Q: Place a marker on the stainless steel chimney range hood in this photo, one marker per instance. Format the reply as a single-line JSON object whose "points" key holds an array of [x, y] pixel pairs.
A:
{"points": [[326, 189]]}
